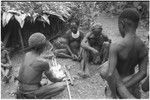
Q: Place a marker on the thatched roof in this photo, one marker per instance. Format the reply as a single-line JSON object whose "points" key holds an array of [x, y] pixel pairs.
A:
{"points": [[20, 17]]}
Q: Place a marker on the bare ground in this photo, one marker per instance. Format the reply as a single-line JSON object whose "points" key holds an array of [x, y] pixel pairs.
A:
{"points": [[90, 88]]}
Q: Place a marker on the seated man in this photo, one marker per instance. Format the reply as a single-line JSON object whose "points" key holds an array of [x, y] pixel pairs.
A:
{"points": [[71, 43], [124, 56], [30, 73], [5, 64], [95, 48]]}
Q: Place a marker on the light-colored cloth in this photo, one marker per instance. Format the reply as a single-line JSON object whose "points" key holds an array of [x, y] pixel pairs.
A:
{"points": [[75, 35]]}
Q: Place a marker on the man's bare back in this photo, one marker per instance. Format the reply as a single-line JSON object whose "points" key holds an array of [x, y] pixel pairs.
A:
{"points": [[124, 56], [31, 70], [130, 51]]}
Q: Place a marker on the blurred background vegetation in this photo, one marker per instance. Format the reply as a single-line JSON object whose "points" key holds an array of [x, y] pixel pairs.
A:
{"points": [[83, 11]]}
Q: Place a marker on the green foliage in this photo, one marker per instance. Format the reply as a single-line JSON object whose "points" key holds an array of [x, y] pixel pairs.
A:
{"points": [[85, 12]]}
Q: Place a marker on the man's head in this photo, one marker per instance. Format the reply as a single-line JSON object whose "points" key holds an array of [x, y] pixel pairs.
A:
{"points": [[37, 42], [74, 26], [128, 20], [96, 29]]}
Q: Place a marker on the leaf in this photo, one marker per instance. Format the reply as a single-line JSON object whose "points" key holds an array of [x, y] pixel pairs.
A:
{"points": [[54, 13], [14, 12], [21, 19], [35, 15], [6, 18], [45, 17]]}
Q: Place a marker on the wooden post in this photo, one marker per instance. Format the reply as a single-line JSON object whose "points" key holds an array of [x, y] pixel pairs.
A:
{"points": [[6, 38], [21, 39]]}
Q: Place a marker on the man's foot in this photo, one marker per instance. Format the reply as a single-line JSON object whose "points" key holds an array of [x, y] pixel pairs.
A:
{"points": [[83, 75], [75, 58], [108, 93]]}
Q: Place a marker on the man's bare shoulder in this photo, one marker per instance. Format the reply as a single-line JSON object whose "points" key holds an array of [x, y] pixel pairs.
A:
{"points": [[143, 50], [117, 46]]}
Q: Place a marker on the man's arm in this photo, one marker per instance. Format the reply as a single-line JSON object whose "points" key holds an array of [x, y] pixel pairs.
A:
{"points": [[51, 77], [112, 58], [45, 67], [106, 39], [112, 81], [141, 74], [85, 44], [67, 37]]}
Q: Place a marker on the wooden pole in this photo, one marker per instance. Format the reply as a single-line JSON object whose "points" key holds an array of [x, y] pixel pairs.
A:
{"points": [[68, 89], [6, 38], [21, 39]]}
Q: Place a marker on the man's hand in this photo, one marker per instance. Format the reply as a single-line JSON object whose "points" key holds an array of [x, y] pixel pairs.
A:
{"points": [[74, 56], [95, 51], [67, 79]]}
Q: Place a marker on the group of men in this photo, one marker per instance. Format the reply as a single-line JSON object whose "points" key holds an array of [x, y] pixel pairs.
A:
{"points": [[118, 60]]}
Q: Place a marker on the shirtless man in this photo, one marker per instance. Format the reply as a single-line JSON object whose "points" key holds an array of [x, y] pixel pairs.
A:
{"points": [[5, 64], [72, 40], [95, 48], [124, 56], [30, 73]]}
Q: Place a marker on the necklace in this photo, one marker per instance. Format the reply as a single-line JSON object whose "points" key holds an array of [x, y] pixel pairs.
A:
{"points": [[76, 35]]}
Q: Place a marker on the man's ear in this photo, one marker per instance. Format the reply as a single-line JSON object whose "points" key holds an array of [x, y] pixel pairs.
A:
{"points": [[126, 22], [123, 23]]}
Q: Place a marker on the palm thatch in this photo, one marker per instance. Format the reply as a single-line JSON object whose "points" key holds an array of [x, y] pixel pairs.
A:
{"points": [[49, 18]]}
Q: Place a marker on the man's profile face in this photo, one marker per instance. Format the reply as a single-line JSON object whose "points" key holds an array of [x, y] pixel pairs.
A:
{"points": [[121, 28], [74, 27]]}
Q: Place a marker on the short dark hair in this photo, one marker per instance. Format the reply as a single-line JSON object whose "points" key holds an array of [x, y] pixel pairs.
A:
{"points": [[130, 14], [37, 42]]}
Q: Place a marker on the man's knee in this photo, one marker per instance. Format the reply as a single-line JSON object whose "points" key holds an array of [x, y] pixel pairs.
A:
{"points": [[84, 54], [104, 70], [59, 85]]}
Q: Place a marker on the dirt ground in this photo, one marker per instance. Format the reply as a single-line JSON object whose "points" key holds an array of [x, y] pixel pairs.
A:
{"points": [[90, 88]]}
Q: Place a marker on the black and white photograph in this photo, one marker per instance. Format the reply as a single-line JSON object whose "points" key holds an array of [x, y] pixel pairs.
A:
{"points": [[74, 49]]}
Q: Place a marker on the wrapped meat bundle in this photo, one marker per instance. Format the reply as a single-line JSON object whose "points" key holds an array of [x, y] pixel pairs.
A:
{"points": [[57, 69]]}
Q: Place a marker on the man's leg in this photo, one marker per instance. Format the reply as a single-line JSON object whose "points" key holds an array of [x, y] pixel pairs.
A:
{"points": [[96, 58], [62, 53], [48, 91], [105, 51], [84, 71], [103, 72]]}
